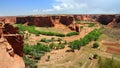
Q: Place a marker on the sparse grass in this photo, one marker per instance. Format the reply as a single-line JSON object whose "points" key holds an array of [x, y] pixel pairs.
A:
{"points": [[108, 63], [112, 32]]}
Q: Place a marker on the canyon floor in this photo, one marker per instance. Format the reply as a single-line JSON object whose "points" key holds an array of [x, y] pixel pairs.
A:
{"points": [[65, 58]]}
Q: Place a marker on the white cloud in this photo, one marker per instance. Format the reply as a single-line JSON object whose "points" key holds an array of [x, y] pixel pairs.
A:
{"points": [[57, 7], [65, 5], [82, 7], [71, 4]]}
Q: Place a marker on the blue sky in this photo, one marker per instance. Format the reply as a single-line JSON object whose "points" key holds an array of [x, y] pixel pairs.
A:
{"points": [[29, 7]]}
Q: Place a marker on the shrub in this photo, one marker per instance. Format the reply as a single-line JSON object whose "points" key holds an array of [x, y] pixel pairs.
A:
{"points": [[91, 25], [75, 45], [52, 39], [95, 56], [52, 45], [65, 42], [95, 45], [72, 33], [77, 21], [81, 27], [48, 57], [29, 63], [27, 49], [60, 46], [60, 35], [35, 51], [44, 40]]}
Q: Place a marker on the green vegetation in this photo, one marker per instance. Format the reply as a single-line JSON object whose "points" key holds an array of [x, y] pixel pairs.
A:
{"points": [[60, 46], [96, 45], [32, 30], [77, 21], [48, 57], [93, 35], [45, 40], [52, 39], [91, 25], [34, 52], [95, 56], [81, 27], [30, 63], [72, 33], [52, 45], [108, 63]]}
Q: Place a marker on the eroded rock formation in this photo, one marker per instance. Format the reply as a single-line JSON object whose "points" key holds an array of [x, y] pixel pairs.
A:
{"points": [[51, 20], [11, 47]]}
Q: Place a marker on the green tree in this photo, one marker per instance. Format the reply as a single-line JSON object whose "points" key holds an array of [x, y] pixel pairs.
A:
{"points": [[96, 45]]}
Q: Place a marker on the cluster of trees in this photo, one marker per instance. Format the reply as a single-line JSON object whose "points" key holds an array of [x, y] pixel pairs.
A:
{"points": [[93, 35], [34, 53], [60, 45], [32, 30], [72, 33]]}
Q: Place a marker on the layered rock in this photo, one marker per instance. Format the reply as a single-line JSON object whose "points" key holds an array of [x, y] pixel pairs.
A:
{"points": [[51, 20], [48, 21], [11, 47]]}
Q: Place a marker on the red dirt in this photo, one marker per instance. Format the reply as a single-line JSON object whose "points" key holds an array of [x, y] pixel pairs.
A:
{"points": [[113, 50], [111, 44]]}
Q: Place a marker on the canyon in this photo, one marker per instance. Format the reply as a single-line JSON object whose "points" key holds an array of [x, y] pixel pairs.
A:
{"points": [[51, 20]]}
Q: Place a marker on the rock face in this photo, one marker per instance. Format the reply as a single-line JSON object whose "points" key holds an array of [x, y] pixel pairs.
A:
{"points": [[51, 20], [37, 21], [105, 19], [48, 21], [9, 19], [15, 41], [11, 47], [8, 61]]}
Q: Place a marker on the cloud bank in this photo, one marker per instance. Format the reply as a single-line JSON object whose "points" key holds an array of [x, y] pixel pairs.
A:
{"points": [[83, 7]]}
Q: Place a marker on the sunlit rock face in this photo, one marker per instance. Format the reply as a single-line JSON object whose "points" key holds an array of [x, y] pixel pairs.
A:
{"points": [[11, 47], [8, 19]]}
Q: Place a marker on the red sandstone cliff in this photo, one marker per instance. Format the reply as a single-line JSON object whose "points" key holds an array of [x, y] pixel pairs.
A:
{"points": [[11, 47], [51, 20]]}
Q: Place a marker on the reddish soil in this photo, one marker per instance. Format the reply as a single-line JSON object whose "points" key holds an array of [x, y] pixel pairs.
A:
{"points": [[113, 50], [111, 44]]}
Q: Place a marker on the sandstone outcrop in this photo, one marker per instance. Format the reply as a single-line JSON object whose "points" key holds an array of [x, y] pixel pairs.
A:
{"points": [[8, 19], [11, 47]]}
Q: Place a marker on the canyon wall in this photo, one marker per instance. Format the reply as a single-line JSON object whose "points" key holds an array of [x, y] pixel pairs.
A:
{"points": [[48, 21], [11, 47], [8, 19], [51, 20]]}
